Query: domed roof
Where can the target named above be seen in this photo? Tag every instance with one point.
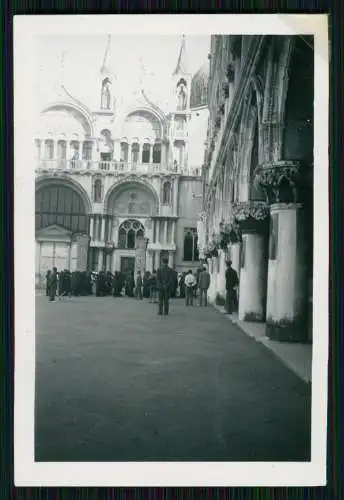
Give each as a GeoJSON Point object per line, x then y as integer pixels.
{"type": "Point", "coordinates": [199, 87]}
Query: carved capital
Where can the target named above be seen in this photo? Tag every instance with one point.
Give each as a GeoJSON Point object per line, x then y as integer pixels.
{"type": "Point", "coordinates": [251, 216]}
{"type": "Point", "coordinates": [282, 181]}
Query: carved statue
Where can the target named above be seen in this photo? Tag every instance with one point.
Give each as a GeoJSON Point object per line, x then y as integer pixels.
{"type": "Point", "coordinates": [181, 97]}
{"type": "Point", "coordinates": [106, 94]}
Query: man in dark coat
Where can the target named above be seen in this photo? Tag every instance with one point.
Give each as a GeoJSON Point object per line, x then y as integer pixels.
{"type": "Point", "coordinates": [232, 281]}
{"type": "Point", "coordinates": [164, 286]}
{"type": "Point", "coordinates": [47, 290]}
{"type": "Point", "coordinates": [53, 284]}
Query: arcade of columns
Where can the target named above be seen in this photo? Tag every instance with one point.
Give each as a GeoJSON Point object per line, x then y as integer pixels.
{"type": "Point", "coordinates": [257, 203]}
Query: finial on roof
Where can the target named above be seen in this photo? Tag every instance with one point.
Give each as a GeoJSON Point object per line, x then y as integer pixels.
{"type": "Point", "coordinates": [181, 66]}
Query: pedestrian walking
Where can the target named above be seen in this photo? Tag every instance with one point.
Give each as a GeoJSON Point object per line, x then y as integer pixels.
{"type": "Point", "coordinates": [138, 286]}
{"type": "Point", "coordinates": [190, 283]}
{"type": "Point", "coordinates": [203, 283]}
{"type": "Point", "coordinates": [53, 284]}
{"type": "Point", "coordinates": [164, 286]}
{"type": "Point", "coordinates": [232, 281]}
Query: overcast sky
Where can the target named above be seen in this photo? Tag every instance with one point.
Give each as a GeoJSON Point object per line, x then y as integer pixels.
{"type": "Point", "coordinates": [84, 56]}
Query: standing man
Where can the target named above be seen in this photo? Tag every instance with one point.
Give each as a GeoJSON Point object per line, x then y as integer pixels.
{"type": "Point", "coordinates": [164, 285]}
{"type": "Point", "coordinates": [232, 281]}
{"type": "Point", "coordinates": [47, 276]}
{"type": "Point", "coordinates": [190, 283]}
{"type": "Point", "coordinates": [53, 284]}
{"type": "Point", "coordinates": [204, 283]}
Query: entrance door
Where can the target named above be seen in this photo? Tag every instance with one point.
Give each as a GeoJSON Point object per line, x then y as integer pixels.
{"type": "Point", "coordinates": [127, 264]}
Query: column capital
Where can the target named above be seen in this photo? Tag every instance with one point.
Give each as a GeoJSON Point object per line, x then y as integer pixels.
{"type": "Point", "coordinates": [283, 181]}
{"type": "Point", "coordinates": [251, 216]}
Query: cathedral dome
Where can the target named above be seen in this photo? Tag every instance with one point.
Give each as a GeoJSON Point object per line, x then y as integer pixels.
{"type": "Point", "coordinates": [199, 87]}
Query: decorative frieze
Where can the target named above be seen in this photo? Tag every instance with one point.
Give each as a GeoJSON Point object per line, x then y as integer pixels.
{"type": "Point", "coordinates": [281, 181]}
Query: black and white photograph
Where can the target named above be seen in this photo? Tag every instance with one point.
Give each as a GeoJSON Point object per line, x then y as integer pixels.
{"type": "Point", "coordinates": [171, 215]}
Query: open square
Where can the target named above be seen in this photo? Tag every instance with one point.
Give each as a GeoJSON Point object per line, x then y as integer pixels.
{"type": "Point", "coordinates": [117, 382]}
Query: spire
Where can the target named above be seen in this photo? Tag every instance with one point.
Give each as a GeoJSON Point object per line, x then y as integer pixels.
{"type": "Point", "coordinates": [181, 62]}
{"type": "Point", "coordinates": [105, 69]}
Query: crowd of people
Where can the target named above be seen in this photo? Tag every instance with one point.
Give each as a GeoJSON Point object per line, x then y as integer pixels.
{"type": "Point", "coordinates": [158, 287]}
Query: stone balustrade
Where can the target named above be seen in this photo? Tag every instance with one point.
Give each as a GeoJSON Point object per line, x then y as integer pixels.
{"type": "Point", "coordinates": [114, 167]}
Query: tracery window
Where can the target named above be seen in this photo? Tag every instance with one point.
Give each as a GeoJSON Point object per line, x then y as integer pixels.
{"type": "Point", "coordinates": [128, 233]}
{"type": "Point", "coordinates": [191, 253]}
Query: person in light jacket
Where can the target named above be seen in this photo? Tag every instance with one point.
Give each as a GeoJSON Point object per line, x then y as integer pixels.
{"type": "Point", "coordinates": [203, 283]}
{"type": "Point", "coordinates": [190, 283]}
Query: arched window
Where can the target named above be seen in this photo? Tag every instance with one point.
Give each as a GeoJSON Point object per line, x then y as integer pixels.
{"type": "Point", "coordinates": [190, 245]}
{"type": "Point", "coordinates": [146, 153]}
{"type": "Point", "coordinates": [97, 191]}
{"type": "Point", "coordinates": [131, 239]}
{"type": "Point", "coordinates": [166, 193]}
{"type": "Point", "coordinates": [135, 150]}
{"type": "Point", "coordinates": [124, 151]}
{"type": "Point", "coordinates": [157, 153]}
{"type": "Point", "coordinates": [87, 150]}
{"type": "Point", "coordinates": [61, 150]}
{"type": "Point", "coordinates": [74, 148]}
{"type": "Point", "coordinates": [49, 149]}
{"type": "Point", "coordinates": [129, 231]}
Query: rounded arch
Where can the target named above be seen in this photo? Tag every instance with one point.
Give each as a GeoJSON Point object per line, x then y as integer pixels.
{"type": "Point", "coordinates": [155, 112]}
{"type": "Point", "coordinates": [128, 183]}
{"type": "Point", "coordinates": [79, 110]}
{"type": "Point", "coordinates": [63, 180]}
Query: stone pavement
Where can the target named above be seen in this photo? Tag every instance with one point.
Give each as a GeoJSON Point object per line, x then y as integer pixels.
{"type": "Point", "coordinates": [116, 382]}
{"type": "Point", "coordinates": [297, 357]}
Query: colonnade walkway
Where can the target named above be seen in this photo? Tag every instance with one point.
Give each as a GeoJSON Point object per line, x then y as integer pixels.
{"type": "Point", "coordinates": [117, 382]}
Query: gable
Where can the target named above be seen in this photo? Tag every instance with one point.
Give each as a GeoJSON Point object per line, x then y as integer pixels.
{"type": "Point", "coordinates": [54, 232]}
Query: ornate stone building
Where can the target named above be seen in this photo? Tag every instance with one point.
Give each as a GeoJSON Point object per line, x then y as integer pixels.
{"type": "Point", "coordinates": [258, 178]}
{"type": "Point", "coordinates": [119, 187]}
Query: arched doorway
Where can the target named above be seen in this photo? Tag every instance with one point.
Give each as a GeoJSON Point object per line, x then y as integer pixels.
{"type": "Point", "coordinates": [61, 224]}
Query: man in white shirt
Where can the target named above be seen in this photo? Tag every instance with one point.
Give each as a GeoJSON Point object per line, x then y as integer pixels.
{"type": "Point", "coordinates": [190, 283]}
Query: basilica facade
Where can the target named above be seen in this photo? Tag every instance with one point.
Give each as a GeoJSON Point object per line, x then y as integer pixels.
{"type": "Point", "coordinates": [258, 179]}
{"type": "Point", "coordinates": [119, 188]}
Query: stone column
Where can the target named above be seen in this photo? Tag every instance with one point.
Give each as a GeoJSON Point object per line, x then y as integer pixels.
{"type": "Point", "coordinates": [286, 183]}
{"type": "Point", "coordinates": [173, 233]}
{"type": "Point", "coordinates": [157, 233]}
{"type": "Point", "coordinates": [55, 150]}
{"type": "Point", "coordinates": [287, 275]}
{"type": "Point", "coordinates": [100, 259]}
{"type": "Point", "coordinates": [253, 278]}
{"type": "Point", "coordinates": [91, 227]}
{"type": "Point", "coordinates": [235, 256]}
{"type": "Point", "coordinates": [170, 259]}
{"type": "Point", "coordinates": [114, 262]}
{"type": "Point", "coordinates": [117, 150]}
{"type": "Point", "coordinates": [165, 231]}
{"type": "Point", "coordinates": [80, 149]}
{"type": "Point", "coordinates": [175, 197]}
{"type": "Point", "coordinates": [149, 260]}
{"type": "Point", "coordinates": [102, 225]}
{"type": "Point", "coordinates": [150, 153]}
